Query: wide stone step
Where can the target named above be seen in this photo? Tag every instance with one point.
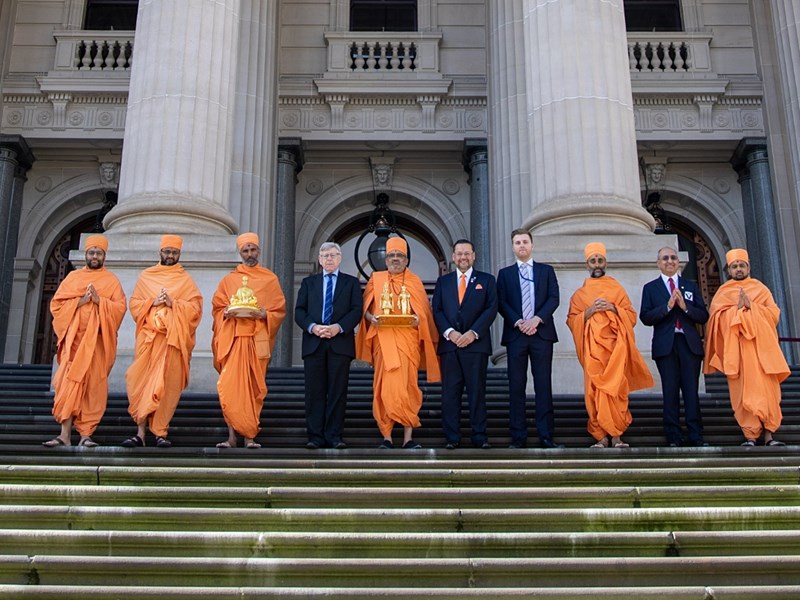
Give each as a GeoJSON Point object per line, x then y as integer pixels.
{"type": "Point", "coordinates": [487, 496]}
{"type": "Point", "coordinates": [677, 592]}
{"type": "Point", "coordinates": [155, 517]}
{"type": "Point", "coordinates": [401, 475]}
{"type": "Point", "coordinates": [399, 572]}
{"type": "Point", "coordinates": [171, 544]}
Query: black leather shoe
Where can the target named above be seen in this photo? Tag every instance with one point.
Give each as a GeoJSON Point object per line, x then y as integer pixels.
{"type": "Point", "coordinates": [674, 445]}
{"type": "Point", "coordinates": [519, 444]}
{"type": "Point", "coordinates": [340, 446]}
{"type": "Point", "coordinates": [550, 444]}
{"type": "Point", "coordinates": [452, 445]}
{"type": "Point", "coordinates": [312, 446]}
{"type": "Point", "coordinates": [700, 444]}
{"type": "Point", "coordinates": [412, 445]}
{"type": "Point", "coordinates": [486, 446]}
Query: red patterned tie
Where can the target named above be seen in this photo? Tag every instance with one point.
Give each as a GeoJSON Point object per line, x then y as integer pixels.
{"type": "Point", "coordinates": [672, 289]}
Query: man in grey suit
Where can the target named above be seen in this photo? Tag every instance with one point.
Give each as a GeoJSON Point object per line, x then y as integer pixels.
{"type": "Point", "coordinates": [328, 309]}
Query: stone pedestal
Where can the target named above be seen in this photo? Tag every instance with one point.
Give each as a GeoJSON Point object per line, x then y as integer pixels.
{"type": "Point", "coordinates": [631, 261]}
{"type": "Point", "coordinates": [206, 258]}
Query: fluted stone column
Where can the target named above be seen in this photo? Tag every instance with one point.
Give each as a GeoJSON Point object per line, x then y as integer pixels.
{"type": "Point", "coordinates": [786, 22]}
{"type": "Point", "coordinates": [16, 159]}
{"type": "Point", "coordinates": [476, 164]}
{"type": "Point", "coordinates": [290, 162]}
{"type": "Point", "coordinates": [751, 155]}
{"type": "Point", "coordinates": [253, 162]}
{"type": "Point", "coordinates": [509, 144]}
{"type": "Point", "coordinates": [580, 114]}
{"type": "Point", "coordinates": [176, 165]}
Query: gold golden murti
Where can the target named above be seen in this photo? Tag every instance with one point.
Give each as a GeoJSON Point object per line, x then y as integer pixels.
{"type": "Point", "coordinates": [244, 300]}
{"type": "Point", "coordinates": [387, 303]}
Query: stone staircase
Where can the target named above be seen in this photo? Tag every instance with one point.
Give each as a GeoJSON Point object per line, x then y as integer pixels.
{"type": "Point", "coordinates": [721, 522]}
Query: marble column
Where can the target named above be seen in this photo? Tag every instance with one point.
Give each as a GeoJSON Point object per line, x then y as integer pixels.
{"type": "Point", "coordinates": [290, 163]}
{"type": "Point", "coordinates": [752, 156]}
{"type": "Point", "coordinates": [476, 164]}
{"type": "Point", "coordinates": [254, 125]}
{"type": "Point", "coordinates": [786, 23]}
{"type": "Point", "coordinates": [176, 166]}
{"type": "Point", "coordinates": [509, 144]}
{"type": "Point", "coordinates": [584, 175]}
{"type": "Point", "coordinates": [16, 159]}
{"type": "Point", "coordinates": [739, 163]}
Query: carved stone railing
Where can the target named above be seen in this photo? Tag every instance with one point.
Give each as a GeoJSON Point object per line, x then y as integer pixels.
{"type": "Point", "coordinates": [665, 53]}
{"type": "Point", "coordinates": [97, 51]}
{"type": "Point", "coordinates": [400, 62]}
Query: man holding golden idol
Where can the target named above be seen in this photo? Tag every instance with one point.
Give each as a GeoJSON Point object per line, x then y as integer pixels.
{"type": "Point", "coordinates": [248, 309]}
{"type": "Point", "coordinates": [398, 337]}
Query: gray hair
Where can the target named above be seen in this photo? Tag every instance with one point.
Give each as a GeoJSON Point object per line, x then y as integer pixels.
{"type": "Point", "coordinates": [328, 246]}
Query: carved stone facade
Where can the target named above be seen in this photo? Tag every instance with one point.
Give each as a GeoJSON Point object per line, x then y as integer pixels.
{"type": "Point", "coordinates": [475, 124]}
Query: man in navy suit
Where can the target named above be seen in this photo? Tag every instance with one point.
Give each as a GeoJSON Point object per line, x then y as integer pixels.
{"type": "Point", "coordinates": [527, 294]}
{"type": "Point", "coordinates": [328, 310]}
{"type": "Point", "coordinates": [673, 306]}
{"type": "Point", "coordinates": [464, 308]}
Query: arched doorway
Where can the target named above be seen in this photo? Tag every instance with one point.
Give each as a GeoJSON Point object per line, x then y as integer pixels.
{"type": "Point", "coordinates": [56, 269]}
{"type": "Point", "coordinates": [702, 266]}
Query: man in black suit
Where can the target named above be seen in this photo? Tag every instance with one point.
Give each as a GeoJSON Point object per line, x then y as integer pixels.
{"type": "Point", "coordinates": [673, 306]}
{"type": "Point", "coordinates": [464, 308]}
{"type": "Point", "coordinates": [527, 294]}
{"type": "Point", "coordinates": [328, 310]}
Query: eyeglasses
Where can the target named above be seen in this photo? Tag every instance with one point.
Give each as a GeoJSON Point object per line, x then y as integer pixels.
{"type": "Point", "coordinates": [669, 257]}
{"type": "Point", "coordinates": [396, 255]}
{"type": "Point", "coordinates": [330, 255]}
{"type": "Point", "coordinates": [166, 252]}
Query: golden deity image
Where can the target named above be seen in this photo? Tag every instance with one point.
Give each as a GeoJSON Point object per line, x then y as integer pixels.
{"type": "Point", "coordinates": [244, 300]}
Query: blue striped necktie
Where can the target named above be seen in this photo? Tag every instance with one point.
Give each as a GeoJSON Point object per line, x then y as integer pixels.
{"type": "Point", "coordinates": [527, 301]}
{"type": "Point", "coordinates": [327, 309]}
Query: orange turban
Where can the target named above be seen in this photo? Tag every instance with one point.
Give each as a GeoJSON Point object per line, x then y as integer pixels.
{"type": "Point", "coordinates": [171, 241]}
{"type": "Point", "coordinates": [396, 244]}
{"type": "Point", "coordinates": [96, 241]}
{"type": "Point", "coordinates": [737, 254]}
{"type": "Point", "coordinates": [247, 238]}
{"type": "Point", "coordinates": [594, 248]}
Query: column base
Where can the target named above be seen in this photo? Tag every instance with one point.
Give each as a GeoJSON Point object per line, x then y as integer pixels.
{"type": "Point", "coordinates": [586, 215]}
{"type": "Point", "coordinates": [151, 214]}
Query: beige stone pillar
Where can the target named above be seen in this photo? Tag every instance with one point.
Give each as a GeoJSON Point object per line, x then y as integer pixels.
{"type": "Point", "coordinates": [786, 22]}
{"type": "Point", "coordinates": [254, 139]}
{"type": "Point", "coordinates": [584, 171]}
{"type": "Point", "coordinates": [509, 142]}
{"type": "Point", "coordinates": [176, 164]}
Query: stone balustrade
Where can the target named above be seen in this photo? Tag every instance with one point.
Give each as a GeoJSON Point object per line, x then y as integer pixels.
{"type": "Point", "coordinates": [104, 51]}
{"type": "Point", "coordinates": [383, 53]}
{"type": "Point", "coordinates": [662, 53]}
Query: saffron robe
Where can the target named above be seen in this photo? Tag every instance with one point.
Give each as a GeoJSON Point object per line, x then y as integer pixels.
{"type": "Point", "coordinates": [87, 346]}
{"type": "Point", "coordinates": [606, 347]}
{"type": "Point", "coordinates": [242, 347]}
{"type": "Point", "coordinates": [398, 353]}
{"type": "Point", "coordinates": [165, 338]}
{"type": "Point", "coordinates": [743, 344]}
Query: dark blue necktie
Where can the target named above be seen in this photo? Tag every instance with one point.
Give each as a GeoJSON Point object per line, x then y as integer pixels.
{"type": "Point", "coordinates": [327, 309]}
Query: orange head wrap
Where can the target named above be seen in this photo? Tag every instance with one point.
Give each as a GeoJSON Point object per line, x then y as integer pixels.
{"type": "Point", "coordinates": [594, 248]}
{"type": "Point", "coordinates": [396, 244]}
{"type": "Point", "coordinates": [247, 238]}
{"type": "Point", "coordinates": [171, 241]}
{"type": "Point", "coordinates": [96, 241]}
{"type": "Point", "coordinates": [737, 254]}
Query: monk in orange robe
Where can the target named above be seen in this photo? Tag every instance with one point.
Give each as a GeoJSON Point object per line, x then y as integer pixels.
{"type": "Point", "coordinates": [167, 306]}
{"type": "Point", "coordinates": [742, 342]}
{"type": "Point", "coordinates": [87, 309]}
{"type": "Point", "coordinates": [601, 319]}
{"type": "Point", "coordinates": [243, 340]}
{"type": "Point", "coordinates": [397, 353]}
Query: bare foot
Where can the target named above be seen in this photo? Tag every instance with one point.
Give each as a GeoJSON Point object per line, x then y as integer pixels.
{"type": "Point", "coordinates": [227, 444]}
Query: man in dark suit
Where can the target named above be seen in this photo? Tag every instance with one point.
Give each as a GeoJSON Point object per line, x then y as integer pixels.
{"type": "Point", "coordinates": [527, 294]}
{"type": "Point", "coordinates": [328, 310]}
{"type": "Point", "coordinates": [464, 308]}
{"type": "Point", "coordinates": [673, 306]}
